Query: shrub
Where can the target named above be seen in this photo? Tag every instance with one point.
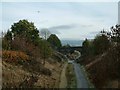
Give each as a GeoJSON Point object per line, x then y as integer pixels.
{"type": "Point", "coordinates": [14, 56]}
{"type": "Point", "coordinates": [101, 44]}
{"type": "Point", "coordinates": [36, 67]}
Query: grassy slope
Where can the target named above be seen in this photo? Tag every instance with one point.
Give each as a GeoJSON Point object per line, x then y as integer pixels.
{"type": "Point", "coordinates": [102, 70]}
{"type": "Point", "coordinates": [15, 75]}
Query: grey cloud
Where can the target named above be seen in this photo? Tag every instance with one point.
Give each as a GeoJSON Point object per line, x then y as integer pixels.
{"type": "Point", "coordinates": [90, 25]}
{"type": "Point", "coordinates": [59, 27]}
{"type": "Point", "coordinates": [55, 29]}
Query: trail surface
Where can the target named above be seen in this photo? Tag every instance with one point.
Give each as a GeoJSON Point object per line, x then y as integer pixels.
{"type": "Point", "coordinates": [63, 79]}
{"type": "Point", "coordinates": [80, 77]}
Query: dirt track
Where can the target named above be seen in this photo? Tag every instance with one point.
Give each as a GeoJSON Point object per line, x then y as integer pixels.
{"type": "Point", "coordinates": [63, 79]}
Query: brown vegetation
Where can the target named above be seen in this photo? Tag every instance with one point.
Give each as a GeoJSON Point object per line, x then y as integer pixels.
{"type": "Point", "coordinates": [31, 74]}
{"type": "Point", "coordinates": [101, 58]}
{"type": "Point", "coordinates": [103, 69]}
{"type": "Point", "coordinates": [28, 59]}
{"type": "Point", "coordinates": [13, 56]}
{"type": "Point", "coordinates": [25, 71]}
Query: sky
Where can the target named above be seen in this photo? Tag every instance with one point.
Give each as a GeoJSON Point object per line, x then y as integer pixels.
{"type": "Point", "coordinates": [68, 20]}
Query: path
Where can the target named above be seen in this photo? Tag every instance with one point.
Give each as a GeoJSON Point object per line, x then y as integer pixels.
{"type": "Point", "coordinates": [63, 79]}
{"type": "Point", "coordinates": [81, 79]}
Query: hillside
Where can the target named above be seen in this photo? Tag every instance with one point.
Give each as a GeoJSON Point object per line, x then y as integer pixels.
{"type": "Point", "coordinates": [32, 73]}
{"type": "Point", "coordinates": [103, 69]}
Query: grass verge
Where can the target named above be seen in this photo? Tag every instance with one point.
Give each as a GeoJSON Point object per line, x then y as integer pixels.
{"type": "Point", "coordinates": [71, 78]}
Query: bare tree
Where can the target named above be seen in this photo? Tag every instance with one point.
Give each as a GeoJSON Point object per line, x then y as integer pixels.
{"type": "Point", "coordinates": [45, 33]}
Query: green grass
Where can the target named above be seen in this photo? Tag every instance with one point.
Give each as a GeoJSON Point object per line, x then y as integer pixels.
{"type": "Point", "coordinates": [71, 78]}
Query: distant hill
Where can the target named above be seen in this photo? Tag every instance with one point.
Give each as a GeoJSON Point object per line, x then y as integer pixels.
{"type": "Point", "coordinates": [72, 42]}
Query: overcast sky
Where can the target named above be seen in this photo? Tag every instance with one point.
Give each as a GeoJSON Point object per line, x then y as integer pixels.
{"type": "Point", "coordinates": [67, 20]}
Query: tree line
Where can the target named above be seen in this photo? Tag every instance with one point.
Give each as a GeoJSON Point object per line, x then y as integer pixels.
{"type": "Point", "coordinates": [24, 36]}
{"type": "Point", "coordinates": [101, 56]}
{"type": "Point", "coordinates": [104, 41]}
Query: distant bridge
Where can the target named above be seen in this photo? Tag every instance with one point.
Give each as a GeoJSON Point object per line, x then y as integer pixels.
{"type": "Point", "coordinates": [71, 49]}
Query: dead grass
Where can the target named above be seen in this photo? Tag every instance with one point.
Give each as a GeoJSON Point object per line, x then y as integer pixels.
{"type": "Point", "coordinates": [0, 73]}
{"type": "Point", "coordinates": [103, 69]}
{"type": "Point", "coordinates": [50, 81]}
{"type": "Point", "coordinates": [12, 75]}
{"type": "Point", "coordinates": [15, 75]}
{"type": "Point", "coordinates": [112, 84]}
